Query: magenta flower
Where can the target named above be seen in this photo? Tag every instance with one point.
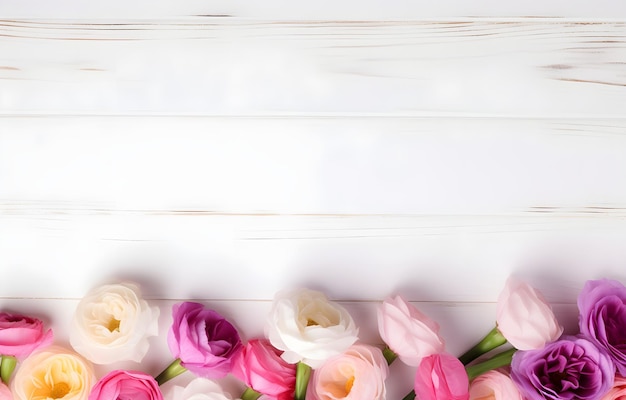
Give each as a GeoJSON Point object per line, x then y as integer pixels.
{"type": "Point", "coordinates": [441, 377]}
{"type": "Point", "coordinates": [602, 318]}
{"type": "Point", "coordinates": [570, 368]}
{"type": "Point", "coordinates": [21, 335]}
{"type": "Point", "coordinates": [126, 385]}
{"type": "Point", "coordinates": [260, 367]}
{"type": "Point", "coordinates": [204, 341]}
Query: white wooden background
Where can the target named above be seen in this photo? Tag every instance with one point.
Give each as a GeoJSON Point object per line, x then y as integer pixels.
{"type": "Point", "coordinates": [223, 151]}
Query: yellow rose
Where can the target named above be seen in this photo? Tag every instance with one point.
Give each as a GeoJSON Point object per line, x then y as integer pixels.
{"type": "Point", "coordinates": [54, 373]}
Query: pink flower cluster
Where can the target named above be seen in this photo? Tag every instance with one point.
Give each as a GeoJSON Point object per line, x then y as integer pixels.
{"type": "Point", "coordinates": [311, 350]}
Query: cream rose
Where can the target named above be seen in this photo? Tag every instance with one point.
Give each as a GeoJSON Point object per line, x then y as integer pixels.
{"type": "Point", "coordinates": [198, 389]}
{"type": "Point", "coordinates": [54, 373]}
{"type": "Point", "coordinates": [112, 323]}
{"type": "Point", "coordinates": [309, 328]}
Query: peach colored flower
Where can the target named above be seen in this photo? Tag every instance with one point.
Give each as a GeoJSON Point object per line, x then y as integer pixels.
{"type": "Point", "coordinates": [112, 323]}
{"type": "Point", "coordinates": [524, 318]}
{"type": "Point", "coordinates": [357, 374]}
{"type": "Point", "coordinates": [494, 385]}
{"type": "Point", "coordinates": [53, 373]}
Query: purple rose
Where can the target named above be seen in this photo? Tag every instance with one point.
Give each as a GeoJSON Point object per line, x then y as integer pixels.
{"type": "Point", "coordinates": [203, 340]}
{"type": "Point", "coordinates": [602, 319]}
{"type": "Point", "coordinates": [570, 368]}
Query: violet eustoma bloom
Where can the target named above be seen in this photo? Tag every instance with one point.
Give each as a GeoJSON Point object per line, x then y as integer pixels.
{"type": "Point", "coordinates": [260, 366]}
{"type": "Point", "coordinates": [570, 368]}
{"type": "Point", "coordinates": [441, 377]}
{"type": "Point", "coordinates": [602, 318]}
{"type": "Point", "coordinates": [524, 317]}
{"type": "Point", "coordinates": [126, 385]}
{"type": "Point", "coordinates": [407, 331]}
{"type": "Point", "coordinates": [205, 342]}
{"type": "Point", "coordinates": [21, 335]}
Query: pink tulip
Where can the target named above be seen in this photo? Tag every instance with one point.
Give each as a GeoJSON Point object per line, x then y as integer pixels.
{"type": "Point", "coordinates": [441, 377]}
{"type": "Point", "coordinates": [260, 366]}
{"type": "Point", "coordinates": [408, 332]}
{"type": "Point", "coordinates": [5, 393]}
{"type": "Point", "coordinates": [21, 335]}
{"type": "Point", "coordinates": [524, 318]}
{"type": "Point", "coordinates": [494, 385]}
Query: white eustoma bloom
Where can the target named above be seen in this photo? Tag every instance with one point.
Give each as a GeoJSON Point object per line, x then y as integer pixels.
{"type": "Point", "coordinates": [525, 318]}
{"type": "Point", "coordinates": [112, 323]}
{"type": "Point", "coordinates": [308, 327]}
{"type": "Point", "coordinates": [198, 389]}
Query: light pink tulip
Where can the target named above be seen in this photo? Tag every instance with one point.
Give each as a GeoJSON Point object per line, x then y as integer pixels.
{"type": "Point", "coordinates": [357, 374]}
{"type": "Point", "coordinates": [408, 332]}
{"type": "Point", "coordinates": [494, 385]}
{"type": "Point", "coordinates": [524, 317]}
{"type": "Point", "coordinates": [618, 392]}
{"type": "Point", "coordinates": [441, 377]}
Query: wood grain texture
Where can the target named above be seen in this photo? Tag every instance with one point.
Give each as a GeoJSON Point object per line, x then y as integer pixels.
{"type": "Point", "coordinates": [318, 10]}
{"type": "Point", "coordinates": [253, 205]}
{"type": "Point", "coordinates": [218, 66]}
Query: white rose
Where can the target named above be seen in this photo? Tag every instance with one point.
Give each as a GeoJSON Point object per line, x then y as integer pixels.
{"type": "Point", "coordinates": [197, 389]}
{"type": "Point", "coordinates": [112, 323]}
{"type": "Point", "coordinates": [308, 327]}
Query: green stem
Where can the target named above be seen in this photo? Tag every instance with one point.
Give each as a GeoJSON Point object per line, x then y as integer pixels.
{"type": "Point", "coordinates": [303, 373]}
{"type": "Point", "coordinates": [499, 360]}
{"type": "Point", "coordinates": [172, 371]}
{"type": "Point", "coordinates": [389, 355]}
{"type": "Point", "coordinates": [409, 396]}
{"type": "Point", "coordinates": [250, 394]}
{"type": "Point", "coordinates": [488, 343]}
{"type": "Point", "coordinates": [7, 366]}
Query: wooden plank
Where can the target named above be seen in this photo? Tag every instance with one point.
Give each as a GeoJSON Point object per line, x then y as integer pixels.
{"type": "Point", "coordinates": [466, 258]}
{"type": "Point", "coordinates": [315, 165]}
{"type": "Point", "coordinates": [407, 203]}
{"type": "Point", "coordinates": [474, 320]}
{"type": "Point", "coordinates": [319, 10]}
{"type": "Point", "coordinates": [215, 66]}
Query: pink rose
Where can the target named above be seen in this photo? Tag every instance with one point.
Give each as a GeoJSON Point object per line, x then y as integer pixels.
{"type": "Point", "coordinates": [204, 341]}
{"type": "Point", "coordinates": [5, 393]}
{"type": "Point", "coordinates": [618, 391]}
{"type": "Point", "coordinates": [260, 366]}
{"type": "Point", "coordinates": [126, 385]}
{"type": "Point", "coordinates": [494, 385]}
{"type": "Point", "coordinates": [408, 332]}
{"type": "Point", "coordinates": [441, 377]}
{"type": "Point", "coordinates": [524, 318]}
{"type": "Point", "coordinates": [21, 335]}
{"type": "Point", "coordinates": [357, 374]}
